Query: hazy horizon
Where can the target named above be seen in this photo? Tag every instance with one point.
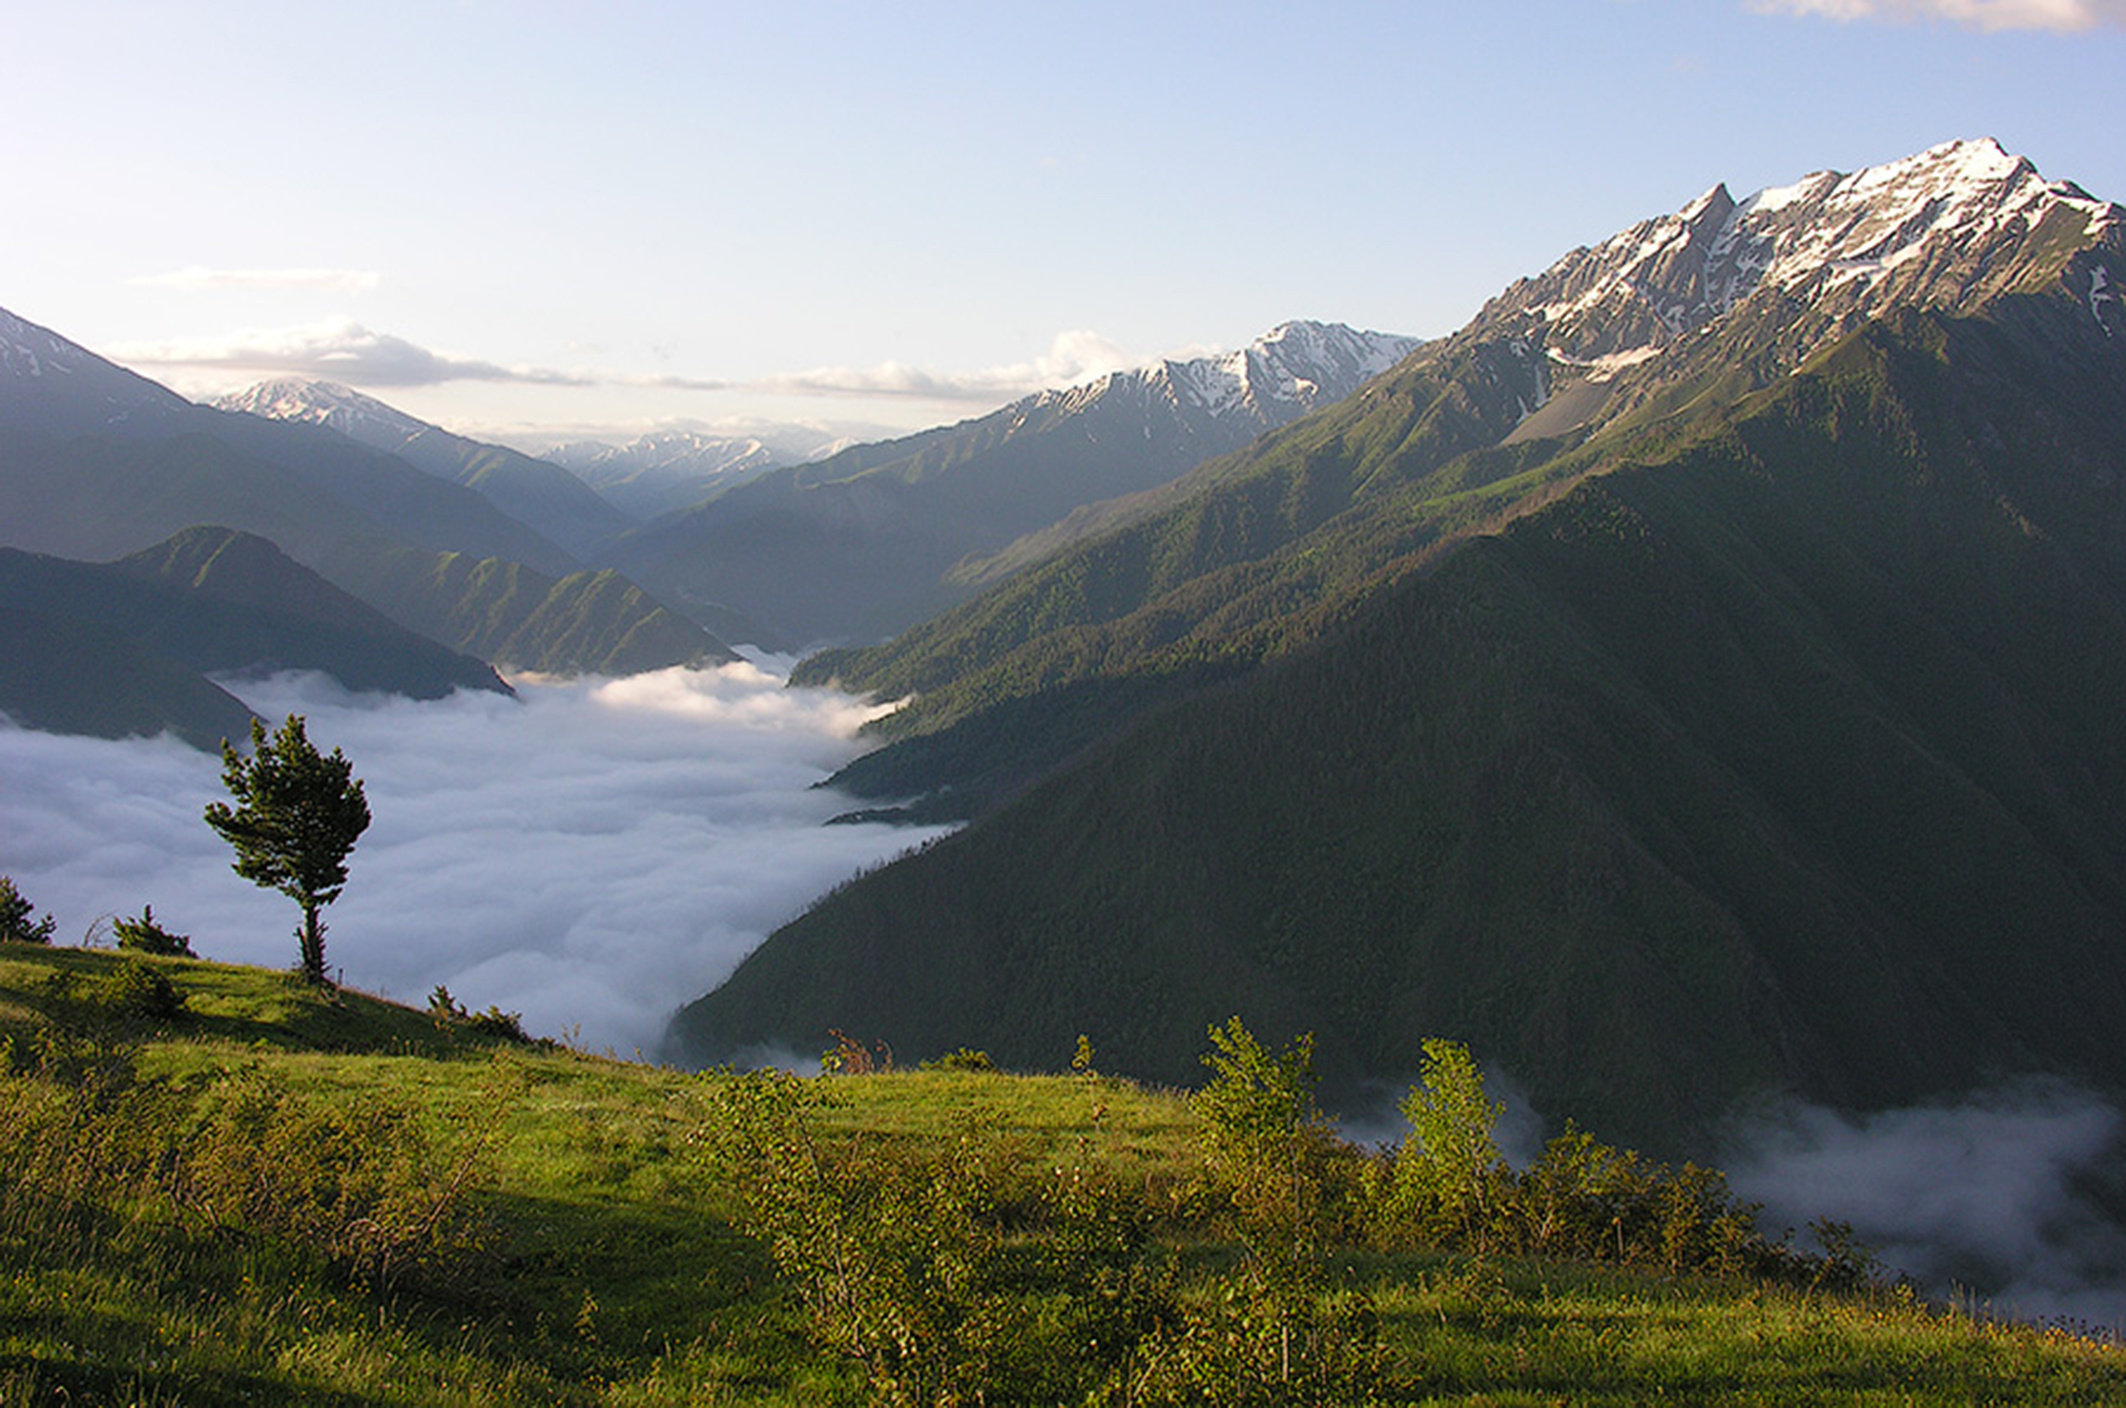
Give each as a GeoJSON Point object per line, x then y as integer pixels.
{"type": "Point", "coordinates": [602, 219]}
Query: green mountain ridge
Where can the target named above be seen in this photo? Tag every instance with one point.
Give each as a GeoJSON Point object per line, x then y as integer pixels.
{"type": "Point", "coordinates": [1749, 768]}
{"type": "Point", "coordinates": [1682, 707]}
{"type": "Point", "coordinates": [66, 675]}
{"type": "Point", "coordinates": [208, 600]}
{"type": "Point", "coordinates": [589, 622]}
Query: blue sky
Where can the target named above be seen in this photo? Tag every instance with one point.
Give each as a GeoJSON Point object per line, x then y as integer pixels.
{"type": "Point", "coordinates": [513, 216]}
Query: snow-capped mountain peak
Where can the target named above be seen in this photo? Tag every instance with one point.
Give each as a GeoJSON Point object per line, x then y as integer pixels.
{"type": "Point", "coordinates": [1947, 227]}
{"type": "Point", "coordinates": [326, 403]}
{"type": "Point", "coordinates": [1293, 368]}
{"type": "Point", "coordinates": [59, 386]}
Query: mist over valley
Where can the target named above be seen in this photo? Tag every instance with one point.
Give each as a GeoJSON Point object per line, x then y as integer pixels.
{"type": "Point", "coordinates": [587, 854]}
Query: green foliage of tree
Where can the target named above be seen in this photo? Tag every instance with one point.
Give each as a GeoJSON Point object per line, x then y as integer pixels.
{"type": "Point", "coordinates": [16, 926]}
{"type": "Point", "coordinates": [297, 815]}
{"type": "Point", "coordinates": [1270, 1151]}
{"type": "Point", "coordinates": [144, 935]}
{"type": "Point", "coordinates": [1448, 1173]}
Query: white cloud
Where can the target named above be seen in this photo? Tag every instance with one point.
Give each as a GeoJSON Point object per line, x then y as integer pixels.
{"type": "Point", "coordinates": [1990, 1194]}
{"type": "Point", "coordinates": [1071, 358]}
{"type": "Point", "coordinates": [339, 349]}
{"type": "Point", "coordinates": [2063, 16]}
{"type": "Point", "coordinates": [195, 277]}
{"type": "Point", "coordinates": [348, 352]}
{"type": "Point", "coordinates": [591, 855]}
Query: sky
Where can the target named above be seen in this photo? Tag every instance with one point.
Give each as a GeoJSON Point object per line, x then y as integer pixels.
{"type": "Point", "coordinates": [530, 220]}
{"type": "Point", "coordinates": [588, 855]}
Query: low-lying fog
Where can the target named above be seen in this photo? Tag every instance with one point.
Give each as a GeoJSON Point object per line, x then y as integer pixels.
{"type": "Point", "coordinates": [591, 854]}
{"type": "Point", "coordinates": [2010, 1200]}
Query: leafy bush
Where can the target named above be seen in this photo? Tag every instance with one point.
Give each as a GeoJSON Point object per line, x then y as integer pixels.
{"type": "Point", "coordinates": [964, 1059]}
{"type": "Point", "coordinates": [494, 1022]}
{"type": "Point", "coordinates": [850, 1057]}
{"type": "Point", "coordinates": [358, 1181]}
{"type": "Point", "coordinates": [1448, 1178]}
{"type": "Point", "coordinates": [97, 1152]}
{"type": "Point", "coordinates": [142, 991]}
{"type": "Point", "coordinates": [1448, 1186]}
{"type": "Point", "coordinates": [902, 1260]}
{"type": "Point", "coordinates": [113, 1010]}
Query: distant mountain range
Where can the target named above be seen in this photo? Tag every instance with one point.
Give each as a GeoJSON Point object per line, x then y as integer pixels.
{"type": "Point", "coordinates": [1697, 678]}
{"type": "Point", "coordinates": [864, 543]}
{"type": "Point", "coordinates": [666, 470]}
{"type": "Point", "coordinates": [542, 496]}
{"type": "Point", "coordinates": [98, 463]}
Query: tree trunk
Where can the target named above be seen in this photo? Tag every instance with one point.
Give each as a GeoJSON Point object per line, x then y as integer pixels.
{"type": "Point", "coordinates": [312, 939]}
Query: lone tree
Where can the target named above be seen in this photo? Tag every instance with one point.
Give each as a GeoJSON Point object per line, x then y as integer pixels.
{"type": "Point", "coordinates": [296, 817]}
{"type": "Point", "coordinates": [16, 926]}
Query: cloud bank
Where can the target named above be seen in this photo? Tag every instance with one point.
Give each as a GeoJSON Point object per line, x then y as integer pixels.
{"type": "Point", "coordinates": [1072, 357]}
{"type": "Point", "coordinates": [2011, 1196]}
{"type": "Point", "coordinates": [2059, 16]}
{"type": "Point", "coordinates": [591, 856]}
{"type": "Point", "coordinates": [338, 349]}
{"type": "Point", "coordinates": [346, 351]}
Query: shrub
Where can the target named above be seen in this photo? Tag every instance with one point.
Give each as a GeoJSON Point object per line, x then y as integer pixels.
{"type": "Point", "coordinates": [1448, 1178]}
{"type": "Point", "coordinates": [964, 1059]}
{"type": "Point", "coordinates": [355, 1180]}
{"type": "Point", "coordinates": [509, 1026]}
{"type": "Point", "coordinates": [144, 935]}
{"type": "Point", "coordinates": [850, 1057]}
{"type": "Point", "coordinates": [446, 1012]}
{"type": "Point", "coordinates": [141, 991]}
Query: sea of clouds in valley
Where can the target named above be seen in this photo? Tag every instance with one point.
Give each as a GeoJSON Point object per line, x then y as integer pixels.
{"type": "Point", "coordinates": [591, 854]}
{"type": "Point", "coordinates": [2009, 1198]}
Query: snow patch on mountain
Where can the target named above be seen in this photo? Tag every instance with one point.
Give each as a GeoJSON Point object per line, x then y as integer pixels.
{"type": "Point", "coordinates": [1909, 230]}
{"type": "Point", "coordinates": [1289, 370]}
{"type": "Point", "coordinates": [28, 350]}
{"type": "Point", "coordinates": [358, 417]}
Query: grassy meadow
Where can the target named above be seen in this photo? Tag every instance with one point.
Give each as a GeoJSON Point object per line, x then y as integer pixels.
{"type": "Point", "coordinates": [228, 1187]}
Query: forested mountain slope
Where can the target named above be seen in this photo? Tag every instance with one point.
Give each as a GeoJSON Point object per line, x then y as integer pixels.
{"type": "Point", "coordinates": [1757, 733]}
{"type": "Point", "coordinates": [114, 648]}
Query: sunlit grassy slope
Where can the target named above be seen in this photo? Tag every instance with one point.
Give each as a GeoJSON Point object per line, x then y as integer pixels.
{"type": "Point", "coordinates": [595, 1258]}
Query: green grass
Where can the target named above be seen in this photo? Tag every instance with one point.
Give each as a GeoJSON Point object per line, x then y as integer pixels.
{"type": "Point", "coordinates": [606, 1268]}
